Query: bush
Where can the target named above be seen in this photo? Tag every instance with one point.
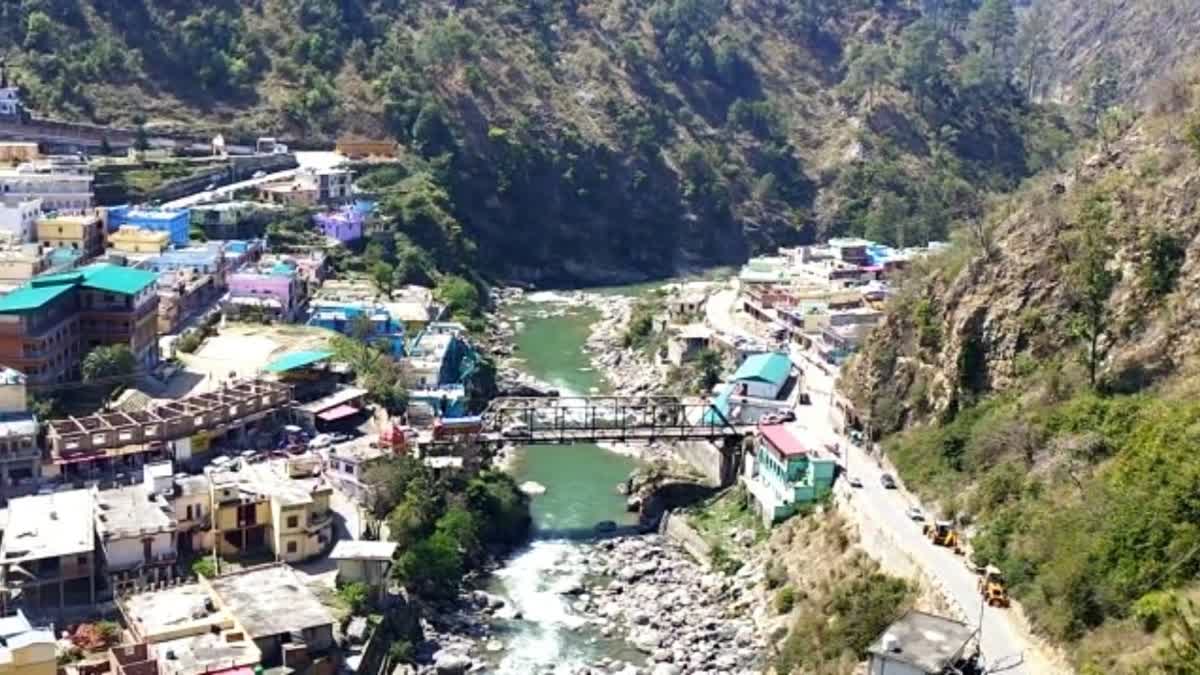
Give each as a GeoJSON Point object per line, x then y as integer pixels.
{"type": "Point", "coordinates": [776, 574]}
{"type": "Point", "coordinates": [204, 567]}
{"type": "Point", "coordinates": [356, 597]}
{"type": "Point", "coordinates": [189, 342]}
{"type": "Point", "coordinates": [785, 600]}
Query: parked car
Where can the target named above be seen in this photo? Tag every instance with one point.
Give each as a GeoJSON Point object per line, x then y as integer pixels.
{"type": "Point", "coordinates": [854, 481]}
{"type": "Point", "coordinates": [915, 514]}
{"type": "Point", "coordinates": [259, 174]}
{"type": "Point", "coordinates": [768, 420]}
{"type": "Point", "coordinates": [887, 481]}
{"type": "Point", "coordinates": [788, 415]}
{"type": "Point", "coordinates": [320, 441]}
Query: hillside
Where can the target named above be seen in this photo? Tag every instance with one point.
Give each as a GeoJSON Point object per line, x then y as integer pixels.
{"type": "Point", "coordinates": [1138, 42]}
{"type": "Point", "coordinates": [1042, 377]}
{"type": "Point", "coordinates": [582, 142]}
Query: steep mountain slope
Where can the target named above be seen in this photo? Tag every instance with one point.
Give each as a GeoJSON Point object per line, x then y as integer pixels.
{"type": "Point", "coordinates": [587, 141]}
{"type": "Point", "coordinates": [1042, 376]}
{"type": "Point", "coordinates": [1140, 40]}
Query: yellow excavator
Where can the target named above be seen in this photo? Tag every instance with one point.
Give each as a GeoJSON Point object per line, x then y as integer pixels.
{"type": "Point", "coordinates": [942, 533]}
{"type": "Point", "coordinates": [992, 587]}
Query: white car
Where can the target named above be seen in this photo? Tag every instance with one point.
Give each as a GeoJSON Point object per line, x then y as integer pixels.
{"type": "Point", "coordinates": [258, 174]}
{"type": "Point", "coordinates": [516, 430]}
{"type": "Point", "coordinates": [915, 514]}
{"type": "Point", "coordinates": [320, 441]}
{"type": "Point", "coordinates": [854, 481]}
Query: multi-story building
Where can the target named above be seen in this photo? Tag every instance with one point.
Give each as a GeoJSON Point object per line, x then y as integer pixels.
{"type": "Point", "coordinates": [133, 239]}
{"type": "Point", "coordinates": [11, 109]}
{"type": "Point", "coordinates": [48, 324]}
{"type": "Point", "coordinates": [181, 295]}
{"type": "Point", "coordinates": [18, 218]}
{"type": "Point", "coordinates": [274, 289]}
{"type": "Point", "coordinates": [358, 148]}
{"type": "Point", "coordinates": [20, 453]}
{"type": "Point", "coordinates": [48, 550]}
{"type": "Point", "coordinates": [136, 529]}
{"type": "Point", "coordinates": [59, 187]}
{"type": "Point", "coordinates": [373, 319]}
{"type": "Point", "coordinates": [346, 223]}
{"type": "Point", "coordinates": [172, 221]}
{"type": "Point", "coordinates": [81, 232]}
{"type": "Point", "coordinates": [311, 187]}
{"type": "Point", "coordinates": [20, 263]}
{"type": "Point", "coordinates": [207, 259]}
{"type": "Point", "coordinates": [283, 507]}
{"type": "Point", "coordinates": [783, 476]}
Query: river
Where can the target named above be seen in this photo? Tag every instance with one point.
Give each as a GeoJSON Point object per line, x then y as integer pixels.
{"type": "Point", "coordinates": [580, 483]}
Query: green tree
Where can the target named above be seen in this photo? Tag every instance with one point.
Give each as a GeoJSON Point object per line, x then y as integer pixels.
{"type": "Point", "coordinates": [460, 296]}
{"type": "Point", "coordinates": [920, 64]}
{"type": "Point", "coordinates": [383, 277]}
{"type": "Point", "coordinates": [1101, 90]}
{"type": "Point", "coordinates": [993, 27]}
{"type": "Point", "coordinates": [868, 70]}
{"type": "Point", "coordinates": [1091, 280]}
{"type": "Point", "coordinates": [112, 365]}
{"type": "Point", "coordinates": [1181, 655]}
{"type": "Point", "coordinates": [708, 365]}
{"type": "Point", "coordinates": [1032, 45]}
{"type": "Point", "coordinates": [39, 32]}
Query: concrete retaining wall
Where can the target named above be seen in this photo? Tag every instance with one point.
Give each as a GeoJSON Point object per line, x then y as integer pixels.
{"type": "Point", "coordinates": [718, 466]}
{"type": "Point", "coordinates": [676, 528]}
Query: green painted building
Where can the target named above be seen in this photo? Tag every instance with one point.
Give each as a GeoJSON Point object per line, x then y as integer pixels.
{"type": "Point", "coordinates": [783, 476]}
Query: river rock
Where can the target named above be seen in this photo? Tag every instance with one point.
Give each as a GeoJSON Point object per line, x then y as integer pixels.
{"type": "Point", "coordinates": [452, 664]}
{"type": "Point", "coordinates": [531, 487]}
{"type": "Point", "coordinates": [646, 639]}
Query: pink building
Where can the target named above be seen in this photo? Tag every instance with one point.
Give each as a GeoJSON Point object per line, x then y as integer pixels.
{"type": "Point", "coordinates": [274, 289]}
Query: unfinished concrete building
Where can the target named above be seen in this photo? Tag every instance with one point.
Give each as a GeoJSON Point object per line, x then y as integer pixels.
{"type": "Point", "coordinates": [126, 440]}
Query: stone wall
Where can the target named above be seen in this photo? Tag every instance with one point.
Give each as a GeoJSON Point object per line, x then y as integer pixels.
{"type": "Point", "coordinates": [718, 468]}
{"type": "Point", "coordinates": [676, 528]}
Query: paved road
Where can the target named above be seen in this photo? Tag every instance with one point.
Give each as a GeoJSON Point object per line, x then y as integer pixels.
{"type": "Point", "coordinates": [1007, 647]}
{"type": "Point", "coordinates": [306, 160]}
{"type": "Point", "coordinates": [718, 312]}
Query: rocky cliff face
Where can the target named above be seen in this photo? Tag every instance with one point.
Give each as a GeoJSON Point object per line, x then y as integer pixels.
{"type": "Point", "coordinates": [1142, 39]}
{"type": "Point", "coordinates": [968, 323]}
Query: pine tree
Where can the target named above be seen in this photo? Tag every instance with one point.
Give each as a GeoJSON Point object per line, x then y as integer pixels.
{"type": "Point", "coordinates": [993, 27]}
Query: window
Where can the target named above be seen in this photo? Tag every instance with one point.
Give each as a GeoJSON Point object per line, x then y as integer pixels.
{"type": "Point", "coordinates": [291, 547]}
{"type": "Point", "coordinates": [293, 521]}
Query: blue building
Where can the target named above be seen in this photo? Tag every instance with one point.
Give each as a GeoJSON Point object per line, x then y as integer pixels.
{"type": "Point", "coordinates": [441, 356]}
{"type": "Point", "coordinates": [207, 259]}
{"type": "Point", "coordinates": [341, 317]}
{"type": "Point", "coordinates": [172, 221]}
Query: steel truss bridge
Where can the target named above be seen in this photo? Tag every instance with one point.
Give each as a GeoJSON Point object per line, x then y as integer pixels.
{"type": "Point", "coordinates": [607, 419]}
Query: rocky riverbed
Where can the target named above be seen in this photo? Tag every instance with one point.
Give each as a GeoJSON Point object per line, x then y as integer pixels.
{"type": "Point", "coordinates": [677, 617]}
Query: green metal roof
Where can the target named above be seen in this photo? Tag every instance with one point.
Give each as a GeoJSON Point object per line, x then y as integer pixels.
{"type": "Point", "coordinates": [28, 298]}
{"type": "Point", "coordinates": [297, 360]}
{"type": "Point", "coordinates": [773, 368]}
{"type": "Point", "coordinates": [116, 279]}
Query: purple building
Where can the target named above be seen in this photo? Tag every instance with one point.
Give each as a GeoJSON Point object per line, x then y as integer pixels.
{"type": "Point", "coordinates": [344, 224]}
{"type": "Point", "coordinates": [274, 290]}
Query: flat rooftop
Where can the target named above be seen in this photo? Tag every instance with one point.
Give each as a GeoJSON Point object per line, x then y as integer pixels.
{"type": "Point", "coordinates": [359, 549]}
{"type": "Point", "coordinates": [49, 526]}
{"type": "Point", "coordinates": [206, 653]}
{"type": "Point", "coordinates": [269, 479]}
{"type": "Point", "coordinates": [172, 611]}
{"type": "Point", "coordinates": [929, 642]}
{"type": "Point", "coordinates": [270, 600]}
{"type": "Point", "coordinates": [131, 512]}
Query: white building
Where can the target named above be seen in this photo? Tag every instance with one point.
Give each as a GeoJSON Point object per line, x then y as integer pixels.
{"type": "Point", "coordinates": [136, 528]}
{"type": "Point", "coordinates": [58, 188]}
{"type": "Point", "coordinates": [18, 218]}
{"type": "Point", "coordinates": [10, 101]}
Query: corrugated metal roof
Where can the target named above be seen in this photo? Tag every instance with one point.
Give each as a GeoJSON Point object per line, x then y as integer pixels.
{"type": "Point", "coordinates": [28, 298]}
{"type": "Point", "coordinates": [772, 368]}
{"type": "Point", "coordinates": [783, 440]}
{"type": "Point", "coordinates": [116, 279]}
{"type": "Point", "coordinates": [297, 360]}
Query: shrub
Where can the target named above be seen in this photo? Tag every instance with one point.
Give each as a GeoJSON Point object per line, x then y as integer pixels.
{"type": "Point", "coordinates": [355, 596]}
{"type": "Point", "coordinates": [785, 600]}
{"type": "Point", "coordinates": [204, 567]}
{"type": "Point", "coordinates": [776, 574]}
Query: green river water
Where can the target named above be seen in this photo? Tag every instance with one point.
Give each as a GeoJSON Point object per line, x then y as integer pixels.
{"type": "Point", "coordinates": [580, 482]}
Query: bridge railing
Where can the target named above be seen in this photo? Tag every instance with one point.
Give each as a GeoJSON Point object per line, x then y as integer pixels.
{"type": "Point", "coordinates": [606, 418]}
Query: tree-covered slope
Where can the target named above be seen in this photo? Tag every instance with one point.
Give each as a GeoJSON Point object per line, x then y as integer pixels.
{"type": "Point", "coordinates": [591, 140]}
